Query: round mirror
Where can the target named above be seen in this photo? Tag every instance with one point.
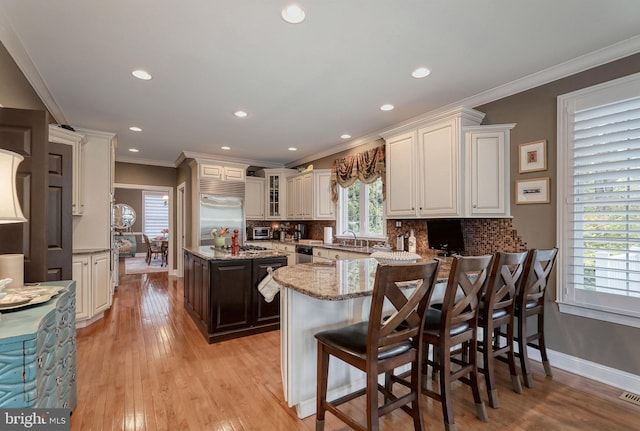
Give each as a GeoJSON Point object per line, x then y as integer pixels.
{"type": "Point", "coordinates": [123, 216]}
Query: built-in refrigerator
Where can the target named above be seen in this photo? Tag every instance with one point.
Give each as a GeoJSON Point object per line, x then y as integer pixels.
{"type": "Point", "coordinates": [218, 212]}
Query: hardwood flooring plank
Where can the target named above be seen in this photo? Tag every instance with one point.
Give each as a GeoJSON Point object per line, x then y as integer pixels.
{"type": "Point", "coordinates": [145, 366]}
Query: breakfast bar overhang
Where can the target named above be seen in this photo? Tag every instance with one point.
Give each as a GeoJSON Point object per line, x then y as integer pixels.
{"type": "Point", "coordinates": [318, 296]}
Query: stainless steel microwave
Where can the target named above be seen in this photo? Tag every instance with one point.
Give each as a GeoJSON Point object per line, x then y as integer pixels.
{"type": "Point", "coordinates": [261, 233]}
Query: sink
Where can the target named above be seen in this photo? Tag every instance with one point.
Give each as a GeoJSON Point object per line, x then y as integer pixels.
{"type": "Point", "coordinates": [348, 246]}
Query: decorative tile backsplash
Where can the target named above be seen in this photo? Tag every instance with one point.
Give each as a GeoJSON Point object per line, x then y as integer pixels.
{"type": "Point", "coordinates": [481, 236]}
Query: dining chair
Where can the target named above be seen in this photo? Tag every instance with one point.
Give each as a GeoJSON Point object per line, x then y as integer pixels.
{"type": "Point", "coordinates": [530, 303]}
{"type": "Point", "coordinates": [381, 344]}
{"type": "Point", "coordinates": [152, 250]}
{"type": "Point", "coordinates": [496, 317]}
{"type": "Point", "coordinates": [451, 332]}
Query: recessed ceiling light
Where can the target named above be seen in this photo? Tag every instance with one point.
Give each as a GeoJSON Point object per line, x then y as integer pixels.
{"type": "Point", "coordinates": [386, 107]}
{"type": "Point", "coordinates": [141, 74]}
{"type": "Point", "coordinates": [135, 129]}
{"type": "Point", "coordinates": [292, 149]}
{"type": "Point", "coordinates": [293, 14]}
{"type": "Point", "coordinates": [134, 150]}
{"type": "Point", "coordinates": [240, 114]}
{"type": "Point", "coordinates": [225, 148]}
{"type": "Point", "coordinates": [421, 72]}
{"type": "Point", "coordinates": [345, 136]}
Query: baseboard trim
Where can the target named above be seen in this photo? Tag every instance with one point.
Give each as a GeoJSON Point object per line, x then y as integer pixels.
{"type": "Point", "coordinates": [590, 370]}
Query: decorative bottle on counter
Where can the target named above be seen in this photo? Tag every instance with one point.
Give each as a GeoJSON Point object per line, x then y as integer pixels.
{"type": "Point", "coordinates": [235, 245]}
{"type": "Point", "coordinates": [412, 242]}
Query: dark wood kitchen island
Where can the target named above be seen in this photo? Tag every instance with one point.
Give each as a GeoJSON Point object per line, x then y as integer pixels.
{"type": "Point", "coordinates": [221, 292]}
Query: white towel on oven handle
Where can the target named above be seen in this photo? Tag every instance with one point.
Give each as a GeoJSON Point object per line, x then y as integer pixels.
{"type": "Point", "coordinates": [268, 287]}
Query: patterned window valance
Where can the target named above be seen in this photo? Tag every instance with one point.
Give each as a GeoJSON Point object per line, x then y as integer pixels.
{"type": "Point", "coordinates": [367, 167]}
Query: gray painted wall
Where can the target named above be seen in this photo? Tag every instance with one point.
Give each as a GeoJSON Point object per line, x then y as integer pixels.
{"type": "Point", "coordinates": [534, 111]}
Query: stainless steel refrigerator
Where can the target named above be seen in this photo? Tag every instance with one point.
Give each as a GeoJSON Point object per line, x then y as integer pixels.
{"type": "Point", "coordinates": [218, 212]}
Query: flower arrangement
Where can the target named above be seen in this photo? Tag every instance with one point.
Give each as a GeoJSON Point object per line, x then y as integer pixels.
{"type": "Point", "coordinates": [217, 232]}
{"type": "Point", "coordinates": [219, 236]}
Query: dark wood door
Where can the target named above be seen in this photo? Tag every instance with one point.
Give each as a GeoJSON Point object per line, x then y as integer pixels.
{"type": "Point", "coordinates": [60, 246]}
{"type": "Point", "coordinates": [265, 312]}
{"type": "Point", "coordinates": [26, 132]}
{"type": "Point", "coordinates": [231, 295]}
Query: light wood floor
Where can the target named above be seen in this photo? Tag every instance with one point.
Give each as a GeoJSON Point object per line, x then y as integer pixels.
{"type": "Point", "coordinates": [146, 367]}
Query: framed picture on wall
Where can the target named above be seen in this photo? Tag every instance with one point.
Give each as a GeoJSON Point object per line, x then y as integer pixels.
{"type": "Point", "coordinates": [533, 156]}
{"type": "Point", "coordinates": [533, 191]}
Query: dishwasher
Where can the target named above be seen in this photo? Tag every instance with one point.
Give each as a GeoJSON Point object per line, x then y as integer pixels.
{"type": "Point", "coordinates": [304, 254]}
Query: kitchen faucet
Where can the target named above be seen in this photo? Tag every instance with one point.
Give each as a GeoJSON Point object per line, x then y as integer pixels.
{"type": "Point", "coordinates": [355, 238]}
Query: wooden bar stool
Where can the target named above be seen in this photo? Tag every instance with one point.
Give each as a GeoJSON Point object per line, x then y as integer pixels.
{"type": "Point", "coordinates": [455, 323]}
{"type": "Point", "coordinates": [379, 345]}
{"type": "Point", "coordinates": [530, 302]}
{"type": "Point", "coordinates": [496, 316]}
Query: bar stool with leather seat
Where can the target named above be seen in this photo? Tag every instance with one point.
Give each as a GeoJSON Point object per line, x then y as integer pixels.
{"type": "Point", "coordinates": [496, 316]}
{"type": "Point", "coordinates": [530, 302]}
{"type": "Point", "coordinates": [381, 344]}
{"type": "Point", "coordinates": [455, 323]}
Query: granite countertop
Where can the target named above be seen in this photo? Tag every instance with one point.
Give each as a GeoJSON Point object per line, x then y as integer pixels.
{"type": "Point", "coordinates": [209, 253]}
{"type": "Point", "coordinates": [338, 280]}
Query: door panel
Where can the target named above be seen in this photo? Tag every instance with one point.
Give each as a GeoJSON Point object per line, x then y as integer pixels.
{"type": "Point", "coordinates": [59, 250]}
{"type": "Point", "coordinates": [25, 132]}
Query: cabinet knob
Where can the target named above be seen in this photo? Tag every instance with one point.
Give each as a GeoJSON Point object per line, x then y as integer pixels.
{"type": "Point", "coordinates": [337, 256]}
{"type": "Point", "coordinates": [475, 206]}
{"type": "Point", "coordinates": [85, 264]}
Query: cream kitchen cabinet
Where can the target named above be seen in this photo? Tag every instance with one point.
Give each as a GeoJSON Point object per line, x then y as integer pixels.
{"type": "Point", "coordinates": [323, 207]}
{"type": "Point", "coordinates": [322, 254]}
{"type": "Point", "coordinates": [300, 194]}
{"type": "Point", "coordinates": [290, 249]}
{"type": "Point", "coordinates": [254, 198]}
{"type": "Point", "coordinates": [77, 141]}
{"type": "Point", "coordinates": [309, 196]}
{"type": "Point", "coordinates": [91, 272]}
{"type": "Point", "coordinates": [276, 192]}
{"type": "Point", "coordinates": [220, 172]}
{"type": "Point", "coordinates": [487, 159]}
{"type": "Point", "coordinates": [425, 166]}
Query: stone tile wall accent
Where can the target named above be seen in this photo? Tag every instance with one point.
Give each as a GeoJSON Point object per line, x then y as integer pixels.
{"type": "Point", "coordinates": [481, 236]}
{"type": "Point", "coordinates": [484, 236]}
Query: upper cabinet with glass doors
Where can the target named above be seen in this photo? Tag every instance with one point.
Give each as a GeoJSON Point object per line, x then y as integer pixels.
{"type": "Point", "coordinates": [276, 192]}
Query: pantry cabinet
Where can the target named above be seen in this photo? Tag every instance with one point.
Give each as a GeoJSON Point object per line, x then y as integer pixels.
{"type": "Point", "coordinates": [424, 166]}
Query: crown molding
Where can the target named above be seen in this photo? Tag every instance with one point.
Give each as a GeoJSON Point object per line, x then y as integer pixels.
{"type": "Point", "coordinates": [145, 162]}
{"type": "Point", "coordinates": [20, 56]}
{"type": "Point", "coordinates": [203, 156]}
{"type": "Point", "coordinates": [588, 61]}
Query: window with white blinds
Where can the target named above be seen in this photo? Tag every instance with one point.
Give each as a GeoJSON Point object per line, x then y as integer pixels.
{"type": "Point", "coordinates": [155, 213]}
{"type": "Point", "coordinates": [599, 206]}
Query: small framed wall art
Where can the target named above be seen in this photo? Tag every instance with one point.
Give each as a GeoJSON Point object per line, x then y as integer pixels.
{"type": "Point", "coordinates": [533, 191]}
{"type": "Point", "coordinates": [533, 156]}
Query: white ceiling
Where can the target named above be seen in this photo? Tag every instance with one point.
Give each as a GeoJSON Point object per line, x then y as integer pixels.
{"type": "Point", "coordinates": [303, 85]}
